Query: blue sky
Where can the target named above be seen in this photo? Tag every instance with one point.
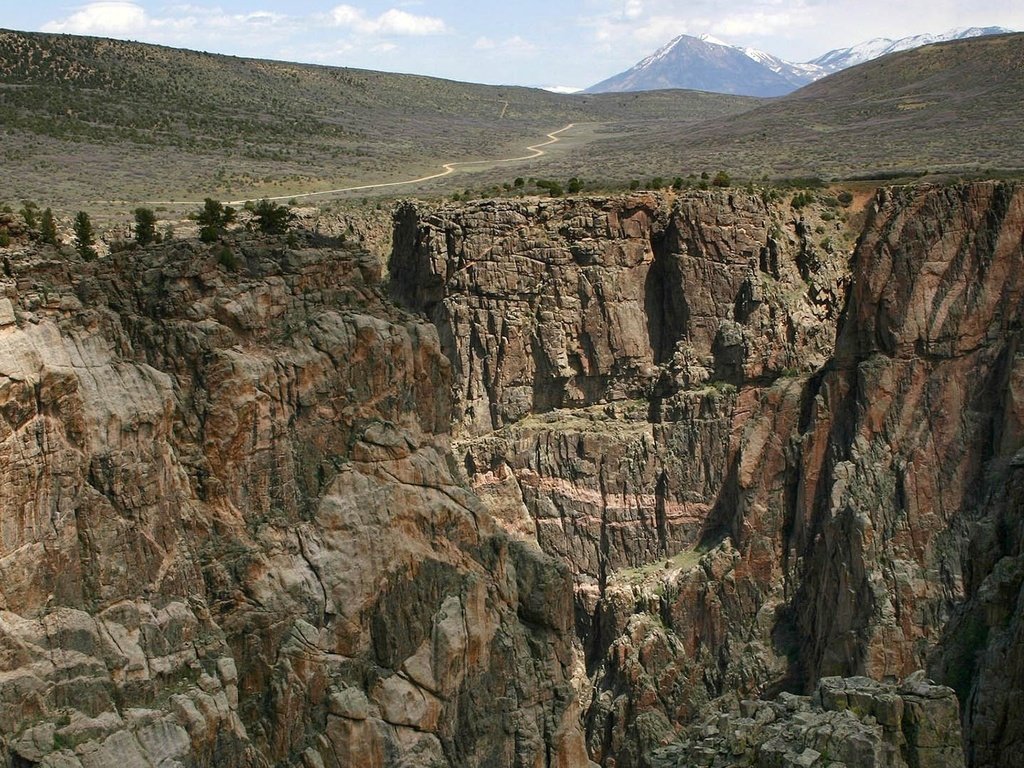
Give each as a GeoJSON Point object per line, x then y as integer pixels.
{"type": "Point", "coordinates": [540, 43]}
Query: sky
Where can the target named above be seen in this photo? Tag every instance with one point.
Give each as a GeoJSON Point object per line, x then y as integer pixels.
{"type": "Point", "coordinates": [538, 43]}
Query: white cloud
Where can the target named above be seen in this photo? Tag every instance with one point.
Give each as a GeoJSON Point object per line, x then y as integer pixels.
{"type": "Point", "coordinates": [391, 22]}
{"type": "Point", "coordinates": [346, 16]}
{"type": "Point", "coordinates": [181, 24]}
{"type": "Point", "coordinates": [397, 22]}
{"type": "Point", "coordinates": [633, 9]}
{"type": "Point", "coordinates": [515, 45]}
{"type": "Point", "coordinates": [110, 17]}
{"type": "Point", "coordinates": [762, 23]}
{"type": "Point", "coordinates": [262, 18]}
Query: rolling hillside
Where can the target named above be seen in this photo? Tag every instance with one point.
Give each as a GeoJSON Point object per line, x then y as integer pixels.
{"type": "Point", "coordinates": [88, 119]}
{"type": "Point", "coordinates": [948, 108]}
{"type": "Point", "coordinates": [98, 123]}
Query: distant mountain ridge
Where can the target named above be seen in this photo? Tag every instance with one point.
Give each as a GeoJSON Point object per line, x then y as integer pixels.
{"type": "Point", "coordinates": [706, 63]}
{"type": "Point", "coordinates": [841, 58]}
{"type": "Point", "coordinates": [701, 64]}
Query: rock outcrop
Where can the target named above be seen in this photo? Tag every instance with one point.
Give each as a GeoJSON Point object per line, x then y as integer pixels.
{"type": "Point", "coordinates": [231, 534]}
{"type": "Point", "coordinates": [563, 304]}
{"type": "Point", "coordinates": [850, 722]}
{"type": "Point", "coordinates": [648, 388]}
{"type": "Point", "coordinates": [573, 475]}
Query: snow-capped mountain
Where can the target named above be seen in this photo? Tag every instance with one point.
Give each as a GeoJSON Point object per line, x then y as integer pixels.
{"type": "Point", "coordinates": [706, 63]}
{"type": "Point", "coordinates": [841, 58]}
{"type": "Point", "coordinates": [793, 73]}
{"type": "Point", "coordinates": [700, 64]}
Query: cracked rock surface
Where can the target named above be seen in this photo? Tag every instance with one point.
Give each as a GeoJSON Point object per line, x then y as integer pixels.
{"type": "Point", "coordinates": [621, 480]}
{"type": "Point", "coordinates": [766, 459]}
{"type": "Point", "coordinates": [847, 722]}
{"type": "Point", "coordinates": [231, 533]}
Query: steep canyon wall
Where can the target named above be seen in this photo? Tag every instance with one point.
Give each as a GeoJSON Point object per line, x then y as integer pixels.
{"type": "Point", "coordinates": [232, 534]}
{"type": "Point", "coordinates": [557, 479]}
{"type": "Point", "coordinates": [758, 477]}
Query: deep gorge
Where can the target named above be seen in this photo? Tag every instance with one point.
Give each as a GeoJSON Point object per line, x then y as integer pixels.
{"type": "Point", "coordinates": [551, 482]}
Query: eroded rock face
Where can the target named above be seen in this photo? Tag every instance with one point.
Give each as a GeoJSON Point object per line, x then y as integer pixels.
{"type": "Point", "coordinates": [558, 304]}
{"type": "Point", "coordinates": [921, 477]}
{"type": "Point", "coordinates": [231, 534]}
{"type": "Point", "coordinates": [648, 388]}
{"type": "Point", "coordinates": [685, 328]}
{"type": "Point", "coordinates": [650, 457]}
{"type": "Point", "coordinates": [848, 721]}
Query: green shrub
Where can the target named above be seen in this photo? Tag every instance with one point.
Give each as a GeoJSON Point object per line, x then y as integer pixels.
{"type": "Point", "coordinates": [271, 218]}
{"type": "Point", "coordinates": [84, 238]}
{"type": "Point", "coordinates": [28, 213]}
{"type": "Point", "coordinates": [48, 228]}
{"type": "Point", "coordinates": [553, 187]}
{"type": "Point", "coordinates": [145, 226]}
{"type": "Point", "coordinates": [227, 259]}
{"type": "Point", "coordinates": [800, 199]}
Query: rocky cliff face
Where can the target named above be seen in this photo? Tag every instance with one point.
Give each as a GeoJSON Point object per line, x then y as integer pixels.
{"type": "Point", "coordinates": [852, 721]}
{"type": "Point", "coordinates": [648, 388]}
{"type": "Point", "coordinates": [232, 534]}
{"type": "Point", "coordinates": [617, 463]}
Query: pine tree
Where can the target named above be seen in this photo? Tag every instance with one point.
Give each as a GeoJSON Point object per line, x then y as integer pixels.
{"type": "Point", "coordinates": [145, 226]}
{"type": "Point", "coordinates": [48, 228]}
{"type": "Point", "coordinates": [272, 219]}
{"type": "Point", "coordinates": [28, 213]}
{"type": "Point", "coordinates": [213, 219]}
{"type": "Point", "coordinates": [84, 238]}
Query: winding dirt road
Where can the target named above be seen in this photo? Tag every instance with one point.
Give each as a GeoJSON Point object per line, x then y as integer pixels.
{"type": "Point", "coordinates": [449, 168]}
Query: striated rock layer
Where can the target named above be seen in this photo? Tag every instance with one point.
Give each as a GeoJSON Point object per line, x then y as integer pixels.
{"type": "Point", "coordinates": [756, 481]}
{"type": "Point", "coordinates": [594, 468]}
{"type": "Point", "coordinates": [231, 534]}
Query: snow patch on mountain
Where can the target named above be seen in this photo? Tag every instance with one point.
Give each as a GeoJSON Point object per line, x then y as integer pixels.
{"type": "Point", "coordinates": [841, 58]}
{"type": "Point", "coordinates": [709, 63]}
